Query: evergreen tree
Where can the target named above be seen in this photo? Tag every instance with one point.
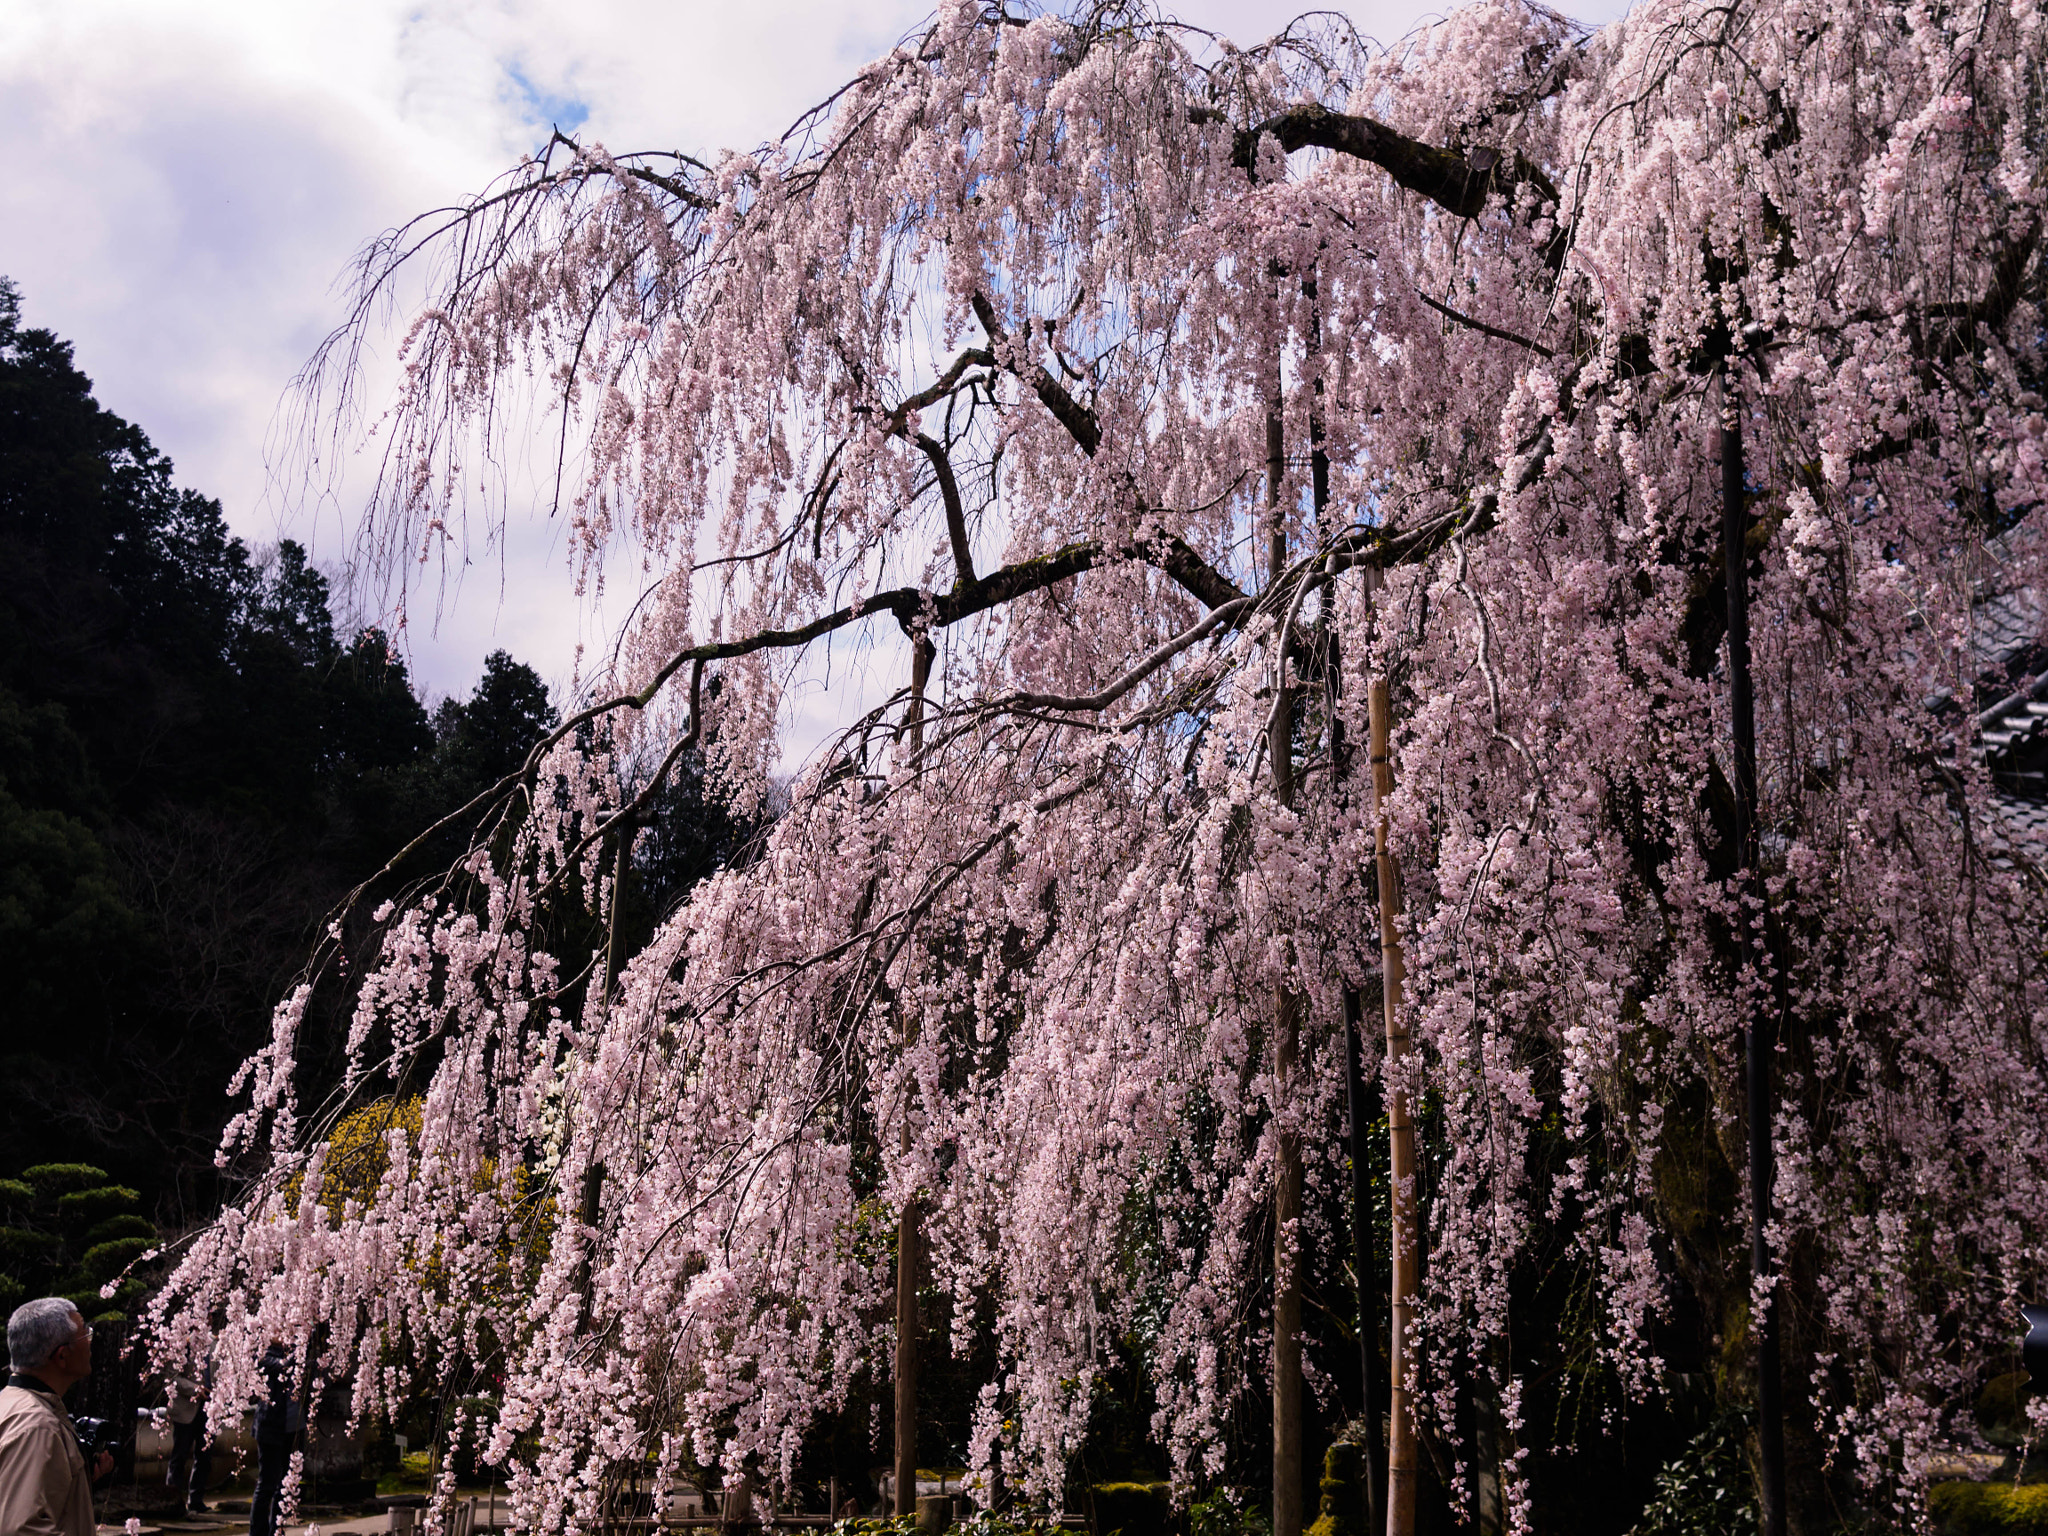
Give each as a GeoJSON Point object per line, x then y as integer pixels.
{"type": "Point", "coordinates": [195, 767]}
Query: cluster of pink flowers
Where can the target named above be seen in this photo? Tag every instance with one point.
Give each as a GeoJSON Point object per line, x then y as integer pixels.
{"type": "Point", "coordinates": [999, 345]}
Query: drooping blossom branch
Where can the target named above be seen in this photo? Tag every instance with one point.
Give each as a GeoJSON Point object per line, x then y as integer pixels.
{"type": "Point", "coordinates": [990, 345]}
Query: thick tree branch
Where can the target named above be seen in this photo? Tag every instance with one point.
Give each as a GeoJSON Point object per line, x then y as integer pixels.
{"type": "Point", "coordinates": [1166, 553]}
{"type": "Point", "coordinates": [939, 388]}
{"type": "Point", "coordinates": [1103, 697]}
{"type": "Point", "coordinates": [1190, 571]}
{"type": "Point", "coordinates": [1483, 328]}
{"type": "Point", "coordinates": [1389, 547]}
{"type": "Point", "coordinates": [956, 513]}
{"type": "Point", "coordinates": [1459, 184]}
{"type": "Point", "coordinates": [1169, 554]}
{"type": "Point", "coordinates": [1072, 414]}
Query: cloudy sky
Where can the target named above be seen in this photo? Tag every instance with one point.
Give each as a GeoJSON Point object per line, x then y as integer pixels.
{"type": "Point", "coordinates": [188, 179]}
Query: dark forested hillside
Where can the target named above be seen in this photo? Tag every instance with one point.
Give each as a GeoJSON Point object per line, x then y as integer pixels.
{"type": "Point", "coordinates": [194, 768]}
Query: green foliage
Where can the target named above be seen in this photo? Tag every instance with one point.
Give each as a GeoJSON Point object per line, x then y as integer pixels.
{"type": "Point", "coordinates": [1135, 1509]}
{"type": "Point", "coordinates": [691, 832]}
{"type": "Point", "coordinates": [195, 765]}
{"type": "Point", "coordinates": [1706, 1489]}
{"type": "Point", "coordinates": [1341, 1510]}
{"type": "Point", "coordinates": [982, 1523]}
{"type": "Point", "coordinates": [488, 737]}
{"type": "Point", "coordinates": [1989, 1509]}
{"type": "Point", "coordinates": [900, 1525]}
{"type": "Point", "coordinates": [85, 1205]}
{"type": "Point", "coordinates": [166, 783]}
{"type": "Point", "coordinates": [62, 914]}
{"type": "Point", "coordinates": [75, 1233]}
{"type": "Point", "coordinates": [128, 1224]}
{"type": "Point", "coordinates": [20, 1246]}
{"type": "Point", "coordinates": [480, 1415]}
{"type": "Point", "coordinates": [103, 1261]}
{"type": "Point", "coordinates": [94, 1307]}
{"type": "Point", "coordinates": [23, 1250]}
{"type": "Point", "coordinates": [53, 1181]}
{"type": "Point", "coordinates": [1228, 1513]}
{"type": "Point", "coordinates": [2001, 1410]}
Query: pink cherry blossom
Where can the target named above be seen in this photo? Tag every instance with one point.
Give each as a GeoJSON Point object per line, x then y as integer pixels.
{"type": "Point", "coordinates": [989, 345]}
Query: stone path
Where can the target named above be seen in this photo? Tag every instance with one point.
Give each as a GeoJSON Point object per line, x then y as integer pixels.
{"type": "Point", "coordinates": [353, 1525]}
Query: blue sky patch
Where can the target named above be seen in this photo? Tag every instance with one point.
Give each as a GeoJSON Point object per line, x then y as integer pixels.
{"type": "Point", "coordinates": [542, 108]}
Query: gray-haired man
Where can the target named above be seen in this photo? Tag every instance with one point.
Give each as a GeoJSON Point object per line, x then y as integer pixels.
{"type": "Point", "coordinates": [44, 1490]}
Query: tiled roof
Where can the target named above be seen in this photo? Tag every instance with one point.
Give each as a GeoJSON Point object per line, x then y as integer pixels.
{"type": "Point", "coordinates": [2023, 822]}
{"type": "Point", "coordinates": [2014, 731]}
{"type": "Point", "coordinates": [2009, 643]}
{"type": "Point", "coordinates": [2005, 624]}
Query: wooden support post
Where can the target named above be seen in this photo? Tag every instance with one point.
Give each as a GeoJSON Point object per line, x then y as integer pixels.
{"type": "Point", "coordinates": [1406, 1241]}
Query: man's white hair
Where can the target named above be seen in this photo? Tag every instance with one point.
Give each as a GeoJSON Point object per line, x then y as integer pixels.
{"type": "Point", "coordinates": [38, 1329]}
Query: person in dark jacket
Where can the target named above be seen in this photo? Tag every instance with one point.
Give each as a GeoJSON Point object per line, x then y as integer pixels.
{"type": "Point", "coordinates": [190, 1464]}
{"type": "Point", "coordinates": [279, 1418]}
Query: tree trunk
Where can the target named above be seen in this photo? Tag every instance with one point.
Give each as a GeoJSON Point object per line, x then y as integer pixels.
{"type": "Point", "coordinates": [588, 1210]}
{"type": "Point", "coordinates": [1356, 1097]}
{"type": "Point", "coordinates": [910, 1227]}
{"type": "Point", "coordinates": [1759, 1033]}
{"type": "Point", "coordinates": [1407, 1246]}
{"type": "Point", "coordinates": [1287, 1480]}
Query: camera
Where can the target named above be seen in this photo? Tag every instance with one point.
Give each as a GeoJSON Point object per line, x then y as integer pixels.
{"type": "Point", "coordinates": [96, 1435]}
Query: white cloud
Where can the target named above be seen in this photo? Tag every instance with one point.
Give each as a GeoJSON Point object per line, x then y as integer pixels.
{"type": "Point", "coordinates": [188, 179]}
